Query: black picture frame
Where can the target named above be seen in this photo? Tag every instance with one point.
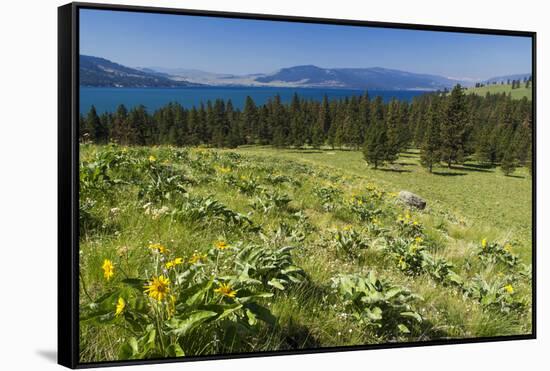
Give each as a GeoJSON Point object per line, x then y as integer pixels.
{"type": "Point", "coordinates": [68, 185]}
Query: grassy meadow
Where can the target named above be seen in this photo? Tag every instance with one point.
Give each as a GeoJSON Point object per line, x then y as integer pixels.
{"type": "Point", "coordinates": [518, 93]}
{"type": "Point", "coordinates": [196, 251]}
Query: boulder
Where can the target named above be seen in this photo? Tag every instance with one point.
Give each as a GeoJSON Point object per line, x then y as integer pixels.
{"type": "Point", "coordinates": [412, 200]}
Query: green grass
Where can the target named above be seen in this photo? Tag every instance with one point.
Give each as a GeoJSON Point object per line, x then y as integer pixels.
{"type": "Point", "coordinates": [121, 217]}
{"type": "Point", "coordinates": [518, 93]}
{"type": "Point", "coordinates": [483, 201]}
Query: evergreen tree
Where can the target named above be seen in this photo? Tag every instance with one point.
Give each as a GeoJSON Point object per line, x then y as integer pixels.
{"type": "Point", "coordinates": [278, 122]}
{"type": "Point", "coordinates": [122, 131]}
{"type": "Point", "coordinates": [430, 151]}
{"type": "Point", "coordinates": [375, 151]}
{"type": "Point", "coordinates": [453, 127]}
{"type": "Point", "coordinates": [321, 125]}
{"type": "Point", "coordinates": [250, 121]}
{"type": "Point", "coordinates": [297, 130]}
{"type": "Point", "coordinates": [91, 130]}
{"type": "Point", "coordinates": [393, 130]}
{"type": "Point", "coordinates": [508, 165]}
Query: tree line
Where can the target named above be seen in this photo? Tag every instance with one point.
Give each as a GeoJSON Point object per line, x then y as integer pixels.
{"type": "Point", "coordinates": [447, 127]}
{"type": "Point", "coordinates": [516, 84]}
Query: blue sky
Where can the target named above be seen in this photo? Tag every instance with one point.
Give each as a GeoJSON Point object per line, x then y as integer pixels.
{"type": "Point", "coordinates": [247, 46]}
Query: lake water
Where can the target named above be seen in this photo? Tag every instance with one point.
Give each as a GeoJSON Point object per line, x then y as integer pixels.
{"type": "Point", "coordinates": [107, 99]}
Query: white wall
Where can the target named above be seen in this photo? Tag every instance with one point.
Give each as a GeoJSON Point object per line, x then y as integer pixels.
{"type": "Point", "coordinates": [28, 58]}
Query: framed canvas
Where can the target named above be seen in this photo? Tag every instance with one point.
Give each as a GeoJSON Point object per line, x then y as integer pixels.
{"type": "Point", "coordinates": [239, 185]}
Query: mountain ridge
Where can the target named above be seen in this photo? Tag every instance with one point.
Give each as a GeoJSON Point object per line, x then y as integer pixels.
{"type": "Point", "coordinates": [101, 72]}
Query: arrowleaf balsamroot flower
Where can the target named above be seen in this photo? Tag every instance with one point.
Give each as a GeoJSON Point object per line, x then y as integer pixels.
{"type": "Point", "coordinates": [120, 305]}
{"type": "Point", "coordinates": [158, 247]}
{"type": "Point", "coordinates": [108, 269]}
{"type": "Point", "coordinates": [509, 289]}
{"type": "Point", "coordinates": [173, 263]}
{"type": "Point", "coordinates": [197, 258]}
{"type": "Point", "coordinates": [484, 243]}
{"type": "Point", "coordinates": [222, 245]}
{"type": "Point", "coordinates": [158, 288]}
{"type": "Point", "coordinates": [225, 290]}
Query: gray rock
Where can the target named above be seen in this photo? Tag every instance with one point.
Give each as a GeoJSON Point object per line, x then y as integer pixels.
{"type": "Point", "coordinates": [412, 200]}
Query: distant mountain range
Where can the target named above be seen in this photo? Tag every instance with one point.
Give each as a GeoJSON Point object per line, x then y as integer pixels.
{"type": "Point", "coordinates": [310, 76]}
{"type": "Point", "coordinates": [101, 72]}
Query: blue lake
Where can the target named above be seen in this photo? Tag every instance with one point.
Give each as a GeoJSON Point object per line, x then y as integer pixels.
{"type": "Point", "coordinates": [107, 99]}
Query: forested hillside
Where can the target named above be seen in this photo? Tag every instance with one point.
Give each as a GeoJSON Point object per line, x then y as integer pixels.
{"type": "Point", "coordinates": [448, 128]}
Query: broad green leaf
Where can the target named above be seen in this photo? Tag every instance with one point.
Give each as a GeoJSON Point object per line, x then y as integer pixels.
{"type": "Point", "coordinates": [413, 315]}
{"type": "Point", "coordinates": [404, 329]}
{"type": "Point", "coordinates": [174, 350]}
{"type": "Point", "coordinates": [181, 325]}
{"type": "Point", "coordinates": [276, 283]}
{"type": "Point", "coordinates": [252, 320]}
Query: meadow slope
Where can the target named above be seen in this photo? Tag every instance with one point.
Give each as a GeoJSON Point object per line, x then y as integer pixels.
{"type": "Point", "coordinates": [189, 252]}
{"type": "Point", "coordinates": [518, 93]}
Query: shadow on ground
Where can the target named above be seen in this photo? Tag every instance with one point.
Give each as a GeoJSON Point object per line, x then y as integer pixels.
{"type": "Point", "coordinates": [49, 355]}
{"type": "Point", "coordinates": [442, 173]}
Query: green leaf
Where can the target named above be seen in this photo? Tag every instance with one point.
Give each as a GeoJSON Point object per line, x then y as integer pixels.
{"type": "Point", "coordinates": [453, 277]}
{"type": "Point", "coordinates": [174, 350]}
{"type": "Point", "coordinates": [413, 315]}
{"type": "Point", "coordinates": [262, 313]}
{"type": "Point", "coordinates": [276, 283]}
{"type": "Point", "coordinates": [230, 309]}
{"type": "Point", "coordinates": [181, 325]}
{"type": "Point", "coordinates": [393, 292]}
{"type": "Point", "coordinates": [252, 320]}
{"type": "Point", "coordinates": [129, 349]}
{"type": "Point", "coordinates": [404, 329]}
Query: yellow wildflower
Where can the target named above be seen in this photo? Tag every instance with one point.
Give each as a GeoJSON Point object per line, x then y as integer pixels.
{"type": "Point", "coordinates": [158, 288]}
{"type": "Point", "coordinates": [221, 245]}
{"type": "Point", "coordinates": [418, 240]}
{"type": "Point", "coordinates": [509, 289]}
{"type": "Point", "coordinates": [348, 227]}
{"type": "Point", "coordinates": [484, 243]}
{"type": "Point", "coordinates": [120, 305]}
{"type": "Point", "coordinates": [226, 290]}
{"type": "Point", "coordinates": [197, 258]}
{"type": "Point", "coordinates": [152, 158]}
{"type": "Point", "coordinates": [223, 170]}
{"type": "Point", "coordinates": [108, 269]}
{"type": "Point", "coordinates": [158, 247]}
{"type": "Point", "coordinates": [173, 263]}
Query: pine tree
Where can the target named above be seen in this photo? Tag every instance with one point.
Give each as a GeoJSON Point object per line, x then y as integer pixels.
{"type": "Point", "coordinates": [250, 124]}
{"type": "Point", "coordinates": [508, 165]}
{"type": "Point", "coordinates": [375, 149]}
{"type": "Point", "coordinates": [193, 133]}
{"type": "Point", "coordinates": [297, 133]}
{"type": "Point", "coordinates": [122, 132]}
{"type": "Point", "coordinates": [453, 127]}
{"type": "Point", "coordinates": [320, 125]}
{"type": "Point", "coordinates": [393, 130]}
{"type": "Point", "coordinates": [430, 151]}
{"type": "Point", "coordinates": [92, 126]}
{"type": "Point", "coordinates": [278, 122]}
